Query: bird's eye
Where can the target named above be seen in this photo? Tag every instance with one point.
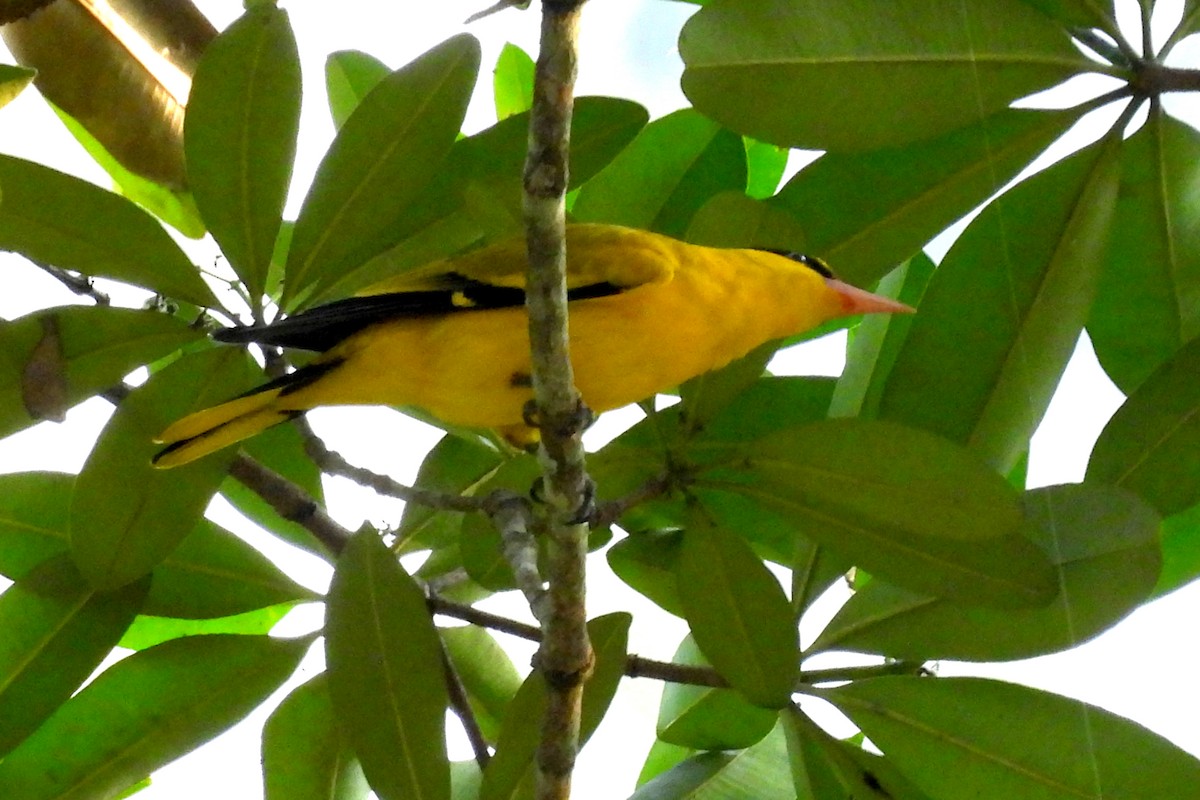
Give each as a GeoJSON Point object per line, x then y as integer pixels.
{"type": "Point", "coordinates": [817, 265]}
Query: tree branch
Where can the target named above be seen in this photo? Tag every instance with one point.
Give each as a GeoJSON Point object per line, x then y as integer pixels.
{"type": "Point", "coordinates": [565, 656]}
{"type": "Point", "coordinates": [290, 502]}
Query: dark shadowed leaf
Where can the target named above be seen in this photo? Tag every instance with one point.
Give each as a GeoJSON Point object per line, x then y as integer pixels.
{"type": "Point", "coordinates": [1103, 542]}
{"type": "Point", "coordinates": [57, 629]}
{"type": "Point", "coordinates": [304, 757]}
{"type": "Point", "coordinates": [738, 613]}
{"type": "Point", "coordinates": [906, 505]}
{"type": "Point", "coordinates": [866, 212]}
{"type": "Point", "coordinates": [70, 223]}
{"type": "Point", "coordinates": [385, 673]}
{"type": "Point", "coordinates": [1144, 310]}
{"type": "Point", "coordinates": [1151, 446]}
{"type": "Point", "coordinates": [384, 156]}
{"type": "Point", "coordinates": [13, 81]}
{"type": "Point", "coordinates": [665, 175]}
{"type": "Point", "coordinates": [704, 718]}
{"type": "Point", "coordinates": [144, 712]}
{"type": "Point", "coordinates": [56, 358]}
{"type": "Point", "coordinates": [240, 137]}
{"type": "Point", "coordinates": [751, 63]}
{"type": "Point", "coordinates": [127, 516]}
{"type": "Point", "coordinates": [1003, 312]}
{"type": "Point", "coordinates": [970, 737]}
{"type": "Point", "coordinates": [822, 767]}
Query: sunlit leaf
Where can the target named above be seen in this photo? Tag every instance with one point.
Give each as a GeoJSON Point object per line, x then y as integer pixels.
{"type": "Point", "coordinates": [144, 712]}
{"type": "Point", "coordinates": [148, 631]}
{"type": "Point", "coordinates": [512, 81]}
{"type": "Point", "coordinates": [349, 77]}
{"type": "Point", "coordinates": [13, 81]}
{"type": "Point", "coordinates": [826, 75]}
{"type": "Point", "coordinates": [240, 137]}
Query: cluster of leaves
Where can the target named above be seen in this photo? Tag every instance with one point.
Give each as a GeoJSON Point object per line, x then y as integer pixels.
{"type": "Point", "coordinates": [908, 466]}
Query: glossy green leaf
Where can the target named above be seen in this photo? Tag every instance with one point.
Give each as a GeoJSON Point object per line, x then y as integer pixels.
{"type": "Point", "coordinates": [56, 358]}
{"type": "Point", "coordinates": [703, 718]}
{"type": "Point", "coordinates": [765, 165]}
{"type": "Point", "coordinates": [509, 774]}
{"type": "Point", "coordinates": [384, 156]}
{"type": "Point", "coordinates": [385, 673]}
{"type": "Point", "coordinates": [906, 505]}
{"type": "Point", "coordinates": [646, 561]}
{"type": "Point", "coordinates": [665, 175]}
{"type": "Point", "coordinates": [488, 676]}
{"type": "Point", "coordinates": [240, 137]}
{"type": "Point", "coordinates": [349, 77]}
{"type": "Point", "coordinates": [877, 340]}
{"type": "Point", "coordinates": [477, 190]}
{"type": "Point", "coordinates": [1151, 446]}
{"type": "Point", "coordinates": [144, 712]}
{"type": "Point", "coordinates": [1180, 551]}
{"type": "Point", "coordinates": [1144, 308]}
{"type": "Point", "coordinates": [756, 773]}
{"type": "Point", "coordinates": [57, 629]}
{"type": "Point", "coordinates": [1104, 545]}
{"type": "Point", "coordinates": [970, 737]}
{"type": "Point", "coordinates": [303, 755]}
{"type": "Point", "coordinates": [1003, 312]}
{"type": "Point", "coordinates": [13, 80]}
{"type": "Point", "coordinates": [738, 613]}
{"type": "Point", "coordinates": [56, 219]}
{"type": "Point", "coordinates": [148, 631]}
{"type": "Point", "coordinates": [866, 212]}
{"type": "Point", "coordinates": [512, 81]}
{"type": "Point", "coordinates": [751, 63]}
{"type": "Point", "coordinates": [455, 466]}
{"type": "Point", "coordinates": [661, 757]}
{"type": "Point", "coordinates": [127, 516]}
{"type": "Point", "coordinates": [821, 767]}
{"type": "Point", "coordinates": [282, 450]}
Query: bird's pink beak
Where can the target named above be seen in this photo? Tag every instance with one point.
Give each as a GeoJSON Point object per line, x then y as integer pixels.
{"type": "Point", "coordinates": [857, 301]}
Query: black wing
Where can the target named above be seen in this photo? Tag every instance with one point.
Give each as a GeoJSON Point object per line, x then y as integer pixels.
{"type": "Point", "coordinates": [320, 328]}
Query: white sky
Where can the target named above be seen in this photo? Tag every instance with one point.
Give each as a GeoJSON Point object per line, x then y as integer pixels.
{"type": "Point", "coordinates": [1143, 669]}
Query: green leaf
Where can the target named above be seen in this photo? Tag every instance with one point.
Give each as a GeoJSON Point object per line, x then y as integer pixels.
{"type": "Point", "coordinates": [303, 754]}
{"type": "Point", "coordinates": [510, 772]}
{"type": "Point", "coordinates": [821, 766]}
{"type": "Point", "coordinates": [147, 631]}
{"type": "Point", "coordinates": [770, 404]}
{"type": "Point", "coordinates": [56, 219]}
{"type": "Point", "coordinates": [55, 358]}
{"type": "Point", "coordinates": [756, 773]}
{"type": "Point", "coordinates": [385, 155]}
{"type": "Point", "coordinates": [1144, 307]}
{"type": "Point", "coordinates": [646, 561]}
{"type": "Point", "coordinates": [489, 677]}
{"type": "Point", "coordinates": [665, 175]}
{"type": "Point", "coordinates": [969, 737]}
{"type": "Point", "coordinates": [127, 516]}
{"type": "Point", "coordinates": [765, 165]}
{"type": "Point", "coordinates": [731, 219]}
{"type": "Point", "coordinates": [385, 673]}
{"type": "Point", "coordinates": [512, 81]}
{"type": "Point", "coordinates": [661, 757]}
{"type": "Point", "coordinates": [33, 519]}
{"type": "Point", "coordinates": [1085, 13]}
{"type": "Point", "coordinates": [57, 630]}
{"type": "Point", "coordinates": [704, 396]}
{"type": "Point", "coordinates": [13, 80]}
{"type": "Point", "coordinates": [240, 137]}
{"type": "Point", "coordinates": [1180, 551]}
{"type": "Point", "coordinates": [906, 505]}
{"type": "Point", "coordinates": [866, 212]}
{"type": "Point", "coordinates": [1103, 542]}
{"type": "Point", "coordinates": [454, 466]}
{"type": "Point", "coordinates": [704, 718]}
{"type": "Point", "coordinates": [1151, 446]}
{"type": "Point", "coordinates": [877, 340]}
{"type": "Point", "coordinates": [349, 77]}
{"type": "Point", "coordinates": [1003, 313]}
{"type": "Point", "coordinates": [144, 712]}
{"type": "Point", "coordinates": [751, 63]}
{"type": "Point", "coordinates": [738, 613]}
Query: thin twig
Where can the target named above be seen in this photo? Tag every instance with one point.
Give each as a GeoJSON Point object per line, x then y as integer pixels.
{"type": "Point", "coordinates": [638, 667]}
{"type": "Point", "coordinates": [512, 517]}
{"type": "Point", "coordinates": [608, 513]}
{"type": "Point", "coordinates": [462, 708]}
{"type": "Point", "coordinates": [290, 502]}
{"type": "Point", "coordinates": [79, 284]}
{"type": "Point", "coordinates": [484, 619]}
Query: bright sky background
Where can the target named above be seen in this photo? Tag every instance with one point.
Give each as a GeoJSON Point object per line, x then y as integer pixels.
{"type": "Point", "coordinates": [1143, 669]}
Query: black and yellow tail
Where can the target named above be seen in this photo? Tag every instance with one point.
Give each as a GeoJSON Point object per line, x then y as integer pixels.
{"type": "Point", "coordinates": [207, 431]}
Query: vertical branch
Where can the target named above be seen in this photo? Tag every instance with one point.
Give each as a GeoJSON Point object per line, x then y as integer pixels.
{"type": "Point", "coordinates": [565, 656]}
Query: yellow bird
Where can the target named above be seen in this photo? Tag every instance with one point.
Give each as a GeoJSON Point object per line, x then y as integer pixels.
{"type": "Point", "coordinates": [647, 313]}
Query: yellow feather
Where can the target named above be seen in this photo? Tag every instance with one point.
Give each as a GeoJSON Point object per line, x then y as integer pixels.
{"type": "Point", "coordinates": [684, 310]}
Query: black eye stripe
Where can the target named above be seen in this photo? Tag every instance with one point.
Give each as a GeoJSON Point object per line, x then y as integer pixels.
{"type": "Point", "coordinates": [812, 262]}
